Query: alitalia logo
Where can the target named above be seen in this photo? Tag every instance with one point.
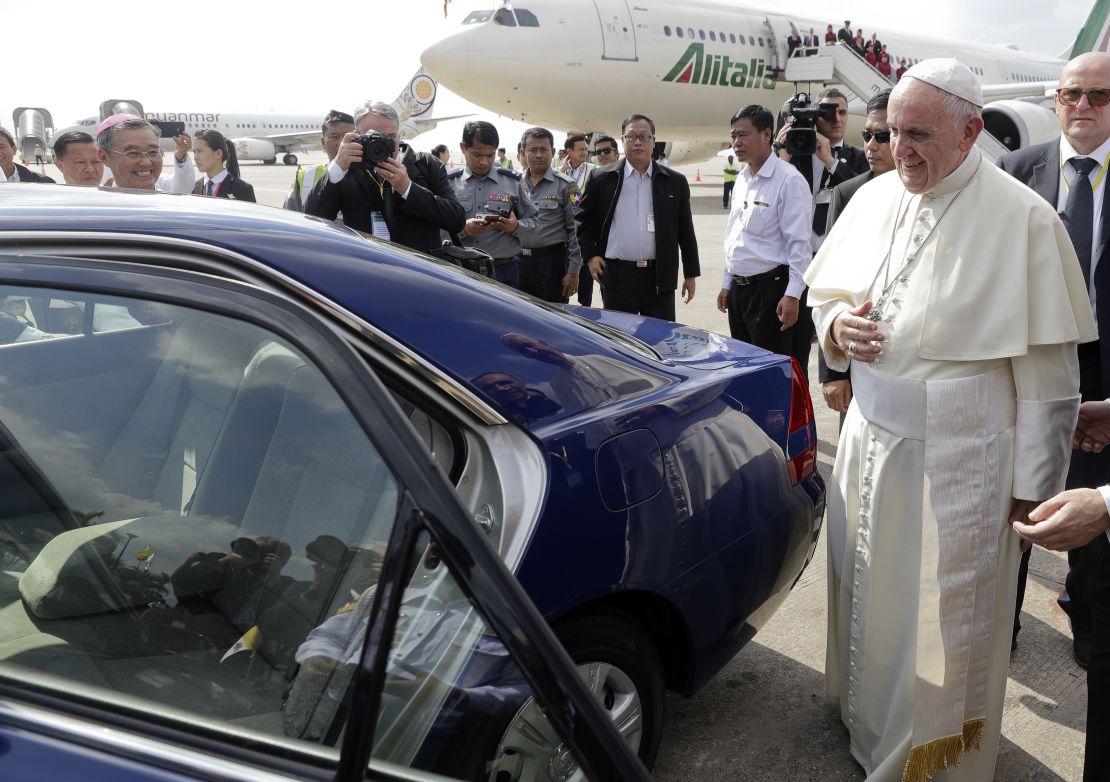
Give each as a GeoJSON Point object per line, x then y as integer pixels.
{"type": "Point", "coordinates": [697, 67]}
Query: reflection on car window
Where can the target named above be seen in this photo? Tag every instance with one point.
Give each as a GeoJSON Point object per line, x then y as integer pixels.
{"type": "Point", "coordinates": [29, 315]}
{"type": "Point", "coordinates": [190, 506]}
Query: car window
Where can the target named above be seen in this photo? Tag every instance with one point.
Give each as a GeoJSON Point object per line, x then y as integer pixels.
{"type": "Point", "coordinates": [186, 503]}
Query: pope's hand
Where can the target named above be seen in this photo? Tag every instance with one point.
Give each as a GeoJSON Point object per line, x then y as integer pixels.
{"type": "Point", "coordinates": [1092, 432]}
{"type": "Point", "coordinates": [856, 335]}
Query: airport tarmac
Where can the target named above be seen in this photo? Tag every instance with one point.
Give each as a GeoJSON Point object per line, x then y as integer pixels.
{"type": "Point", "coordinates": [765, 716]}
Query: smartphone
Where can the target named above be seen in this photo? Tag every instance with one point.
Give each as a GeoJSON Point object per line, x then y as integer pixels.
{"type": "Point", "coordinates": [171, 129]}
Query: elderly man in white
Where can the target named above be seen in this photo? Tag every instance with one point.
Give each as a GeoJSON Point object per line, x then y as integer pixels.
{"type": "Point", "coordinates": [955, 293]}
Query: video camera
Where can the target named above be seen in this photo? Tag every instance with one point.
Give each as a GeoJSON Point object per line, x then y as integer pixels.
{"type": "Point", "coordinates": [801, 139]}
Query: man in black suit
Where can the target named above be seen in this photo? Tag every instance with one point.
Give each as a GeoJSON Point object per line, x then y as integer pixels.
{"type": "Point", "coordinates": [845, 33]}
{"type": "Point", "coordinates": [793, 42]}
{"type": "Point", "coordinates": [633, 220]}
{"type": "Point", "coordinates": [406, 200]}
{"type": "Point", "coordinates": [1083, 148]}
{"type": "Point", "coordinates": [10, 171]}
{"type": "Point", "coordinates": [837, 386]}
{"type": "Point", "coordinates": [834, 163]}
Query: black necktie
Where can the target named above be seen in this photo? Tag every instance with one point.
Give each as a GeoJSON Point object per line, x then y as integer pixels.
{"type": "Point", "coordinates": [1079, 214]}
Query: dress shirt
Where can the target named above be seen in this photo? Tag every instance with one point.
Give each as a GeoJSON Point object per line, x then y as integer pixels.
{"type": "Point", "coordinates": [632, 232]}
{"type": "Point", "coordinates": [769, 224]}
{"type": "Point", "coordinates": [14, 177]}
{"type": "Point", "coordinates": [579, 174]}
{"type": "Point", "coordinates": [1067, 152]}
{"type": "Point", "coordinates": [499, 188]}
{"type": "Point", "coordinates": [220, 177]}
{"type": "Point", "coordinates": [182, 178]}
{"type": "Point", "coordinates": [556, 200]}
{"type": "Point", "coordinates": [336, 174]}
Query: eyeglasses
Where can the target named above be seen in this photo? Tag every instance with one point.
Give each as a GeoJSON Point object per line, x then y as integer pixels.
{"type": "Point", "coordinates": [135, 155]}
{"type": "Point", "coordinates": [1069, 96]}
{"type": "Point", "coordinates": [882, 136]}
{"type": "Point", "coordinates": [606, 150]}
{"type": "Point", "coordinates": [642, 137]}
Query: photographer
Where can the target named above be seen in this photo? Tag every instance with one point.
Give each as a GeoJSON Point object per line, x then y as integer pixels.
{"type": "Point", "coordinates": [384, 188]}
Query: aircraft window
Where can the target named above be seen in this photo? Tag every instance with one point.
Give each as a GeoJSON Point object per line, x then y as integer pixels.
{"type": "Point", "coordinates": [477, 17]}
{"type": "Point", "coordinates": [504, 17]}
{"type": "Point", "coordinates": [690, 31]}
{"type": "Point", "coordinates": [667, 30]}
{"type": "Point", "coordinates": [526, 18]}
{"type": "Point", "coordinates": [732, 37]}
{"type": "Point", "coordinates": [701, 34]}
{"type": "Point", "coordinates": [678, 32]}
{"type": "Point", "coordinates": [751, 40]}
{"type": "Point", "coordinates": [721, 36]}
{"type": "Point", "coordinates": [761, 41]}
{"type": "Point", "coordinates": [712, 36]}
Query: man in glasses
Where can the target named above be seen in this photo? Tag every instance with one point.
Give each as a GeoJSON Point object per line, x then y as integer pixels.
{"type": "Point", "coordinates": [836, 386]}
{"type": "Point", "coordinates": [954, 295]}
{"type": "Point", "coordinates": [1070, 173]}
{"type": "Point", "coordinates": [634, 220]}
{"type": "Point", "coordinates": [606, 153]}
{"type": "Point", "coordinates": [405, 198]}
{"type": "Point", "coordinates": [128, 145]}
{"type": "Point", "coordinates": [10, 171]}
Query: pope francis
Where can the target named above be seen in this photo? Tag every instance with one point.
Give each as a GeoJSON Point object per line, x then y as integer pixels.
{"type": "Point", "coordinates": [954, 292]}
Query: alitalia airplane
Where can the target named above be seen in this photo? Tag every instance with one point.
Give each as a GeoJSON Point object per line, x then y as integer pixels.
{"type": "Point", "coordinates": [256, 136]}
{"type": "Point", "coordinates": [689, 64]}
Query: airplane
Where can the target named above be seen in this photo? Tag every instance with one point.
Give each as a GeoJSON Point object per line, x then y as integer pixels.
{"type": "Point", "coordinates": [689, 64]}
{"type": "Point", "coordinates": [255, 136]}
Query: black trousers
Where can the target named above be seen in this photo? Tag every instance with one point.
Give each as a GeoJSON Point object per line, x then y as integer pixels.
{"type": "Point", "coordinates": [541, 273]}
{"type": "Point", "coordinates": [626, 287]}
{"type": "Point", "coordinates": [801, 335]}
{"type": "Point", "coordinates": [751, 311]}
{"type": "Point", "coordinates": [727, 199]}
{"type": "Point", "coordinates": [1096, 760]}
{"type": "Point", "coordinates": [585, 285]}
{"type": "Point", "coordinates": [507, 270]}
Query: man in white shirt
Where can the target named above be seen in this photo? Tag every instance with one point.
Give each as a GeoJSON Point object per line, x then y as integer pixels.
{"type": "Point", "coordinates": [128, 145]}
{"type": "Point", "coordinates": [767, 238]}
{"type": "Point", "coordinates": [575, 166]}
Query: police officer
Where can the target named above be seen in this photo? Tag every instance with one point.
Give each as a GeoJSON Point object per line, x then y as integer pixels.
{"type": "Point", "coordinates": [550, 259]}
{"type": "Point", "coordinates": [497, 211]}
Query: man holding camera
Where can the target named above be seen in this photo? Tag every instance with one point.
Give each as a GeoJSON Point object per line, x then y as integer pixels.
{"type": "Point", "coordinates": [384, 188]}
{"type": "Point", "coordinates": [831, 163]}
{"type": "Point", "coordinates": [766, 240]}
{"type": "Point", "coordinates": [497, 211]}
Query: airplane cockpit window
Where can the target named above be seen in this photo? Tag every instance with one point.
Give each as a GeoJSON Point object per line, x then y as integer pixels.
{"type": "Point", "coordinates": [477, 17]}
{"type": "Point", "coordinates": [526, 18]}
{"type": "Point", "coordinates": [504, 17]}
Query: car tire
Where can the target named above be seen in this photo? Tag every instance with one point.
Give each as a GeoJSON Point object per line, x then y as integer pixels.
{"type": "Point", "coordinates": [621, 665]}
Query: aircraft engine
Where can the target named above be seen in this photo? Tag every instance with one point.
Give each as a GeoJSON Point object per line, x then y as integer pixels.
{"type": "Point", "coordinates": [254, 149]}
{"type": "Point", "coordinates": [1019, 123]}
{"type": "Point", "coordinates": [685, 152]}
{"type": "Point", "coordinates": [32, 129]}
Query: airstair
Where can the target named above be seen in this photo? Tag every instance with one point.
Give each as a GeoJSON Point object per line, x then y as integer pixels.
{"type": "Point", "coordinates": [33, 129]}
{"type": "Point", "coordinates": [842, 64]}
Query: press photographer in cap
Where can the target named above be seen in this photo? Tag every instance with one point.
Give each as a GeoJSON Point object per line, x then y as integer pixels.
{"type": "Point", "coordinates": [384, 188]}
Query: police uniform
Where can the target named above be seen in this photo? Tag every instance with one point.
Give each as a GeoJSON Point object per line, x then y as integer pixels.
{"type": "Point", "coordinates": [498, 189]}
{"type": "Point", "coordinates": [550, 251]}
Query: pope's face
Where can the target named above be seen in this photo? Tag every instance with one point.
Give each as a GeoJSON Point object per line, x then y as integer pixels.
{"type": "Point", "coordinates": [1085, 126]}
{"type": "Point", "coordinates": [81, 165]}
{"type": "Point", "coordinates": [927, 144]}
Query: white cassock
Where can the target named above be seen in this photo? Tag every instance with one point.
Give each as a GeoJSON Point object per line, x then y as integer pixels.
{"type": "Point", "coordinates": [974, 402]}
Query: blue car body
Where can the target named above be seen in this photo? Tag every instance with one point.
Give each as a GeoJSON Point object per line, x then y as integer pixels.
{"type": "Point", "coordinates": [681, 482]}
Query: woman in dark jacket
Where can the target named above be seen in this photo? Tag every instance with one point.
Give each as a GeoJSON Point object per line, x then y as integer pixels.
{"type": "Point", "coordinates": [215, 156]}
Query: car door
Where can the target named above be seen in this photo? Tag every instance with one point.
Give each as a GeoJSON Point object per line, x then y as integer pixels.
{"type": "Point", "coordinates": [224, 554]}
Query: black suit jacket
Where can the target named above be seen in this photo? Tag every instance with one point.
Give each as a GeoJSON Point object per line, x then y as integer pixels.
{"type": "Point", "coordinates": [231, 187]}
{"type": "Point", "coordinates": [415, 221]}
{"type": "Point", "coordinates": [1039, 168]}
{"type": "Point", "coordinates": [853, 162]}
{"type": "Point", "coordinates": [674, 222]}
{"type": "Point", "coordinates": [27, 175]}
{"type": "Point", "coordinates": [841, 195]}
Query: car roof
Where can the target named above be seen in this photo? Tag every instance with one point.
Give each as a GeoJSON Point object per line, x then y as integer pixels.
{"type": "Point", "coordinates": [452, 319]}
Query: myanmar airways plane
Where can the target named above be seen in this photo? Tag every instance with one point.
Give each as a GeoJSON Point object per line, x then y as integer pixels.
{"type": "Point", "coordinates": [689, 64]}
{"type": "Point", "coordinates": [263, 136]}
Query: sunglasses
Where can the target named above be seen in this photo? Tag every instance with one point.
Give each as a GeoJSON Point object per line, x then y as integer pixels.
{"type": "Point", "coordinates": [882, 136]}
{"type": "Point", "coordinates": [606, 150]}
{"type": "Point", "coordinates": [1069, 96]}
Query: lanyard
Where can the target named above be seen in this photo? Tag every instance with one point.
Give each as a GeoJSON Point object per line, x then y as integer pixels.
{"type": "Point", "coordinates": [1098, 179]}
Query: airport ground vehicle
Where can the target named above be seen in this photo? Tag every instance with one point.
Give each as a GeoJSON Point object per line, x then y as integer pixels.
{"type": "Point", "coordinates": [240, 447]}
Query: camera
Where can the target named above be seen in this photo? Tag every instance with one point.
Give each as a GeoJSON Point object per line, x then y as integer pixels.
{"type": "Point", "coordinates": [801, 139]}
{"type": "Point", "coordinates": [376, 148]}
{"type": "Point", "coordinates": [491, 215]}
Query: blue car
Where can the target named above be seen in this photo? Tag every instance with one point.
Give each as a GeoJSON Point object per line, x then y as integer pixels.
{"type": "Point", "coordinates": [265, 480]}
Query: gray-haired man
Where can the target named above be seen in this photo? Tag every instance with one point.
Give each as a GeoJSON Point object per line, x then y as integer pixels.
{"type": "Point", "coordinates": [128, 145]}
{"type": "Point", "coordinates": [404, 198]}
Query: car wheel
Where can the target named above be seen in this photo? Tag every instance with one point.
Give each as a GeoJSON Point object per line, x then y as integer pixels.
{"type": "Point", "coordinates": [622, 668]}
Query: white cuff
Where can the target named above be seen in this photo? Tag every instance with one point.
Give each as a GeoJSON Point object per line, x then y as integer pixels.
{"type": "Point", "coordinates": [1105, 492]}
{"type": "Point", "coordinates": [1042, 446]}
{"type": "Point", "coordinates": [405, 195]}
{"type": "Point", "coordinates": [835, 358]}
{"type": "Point", "coordinates": [335, 173]}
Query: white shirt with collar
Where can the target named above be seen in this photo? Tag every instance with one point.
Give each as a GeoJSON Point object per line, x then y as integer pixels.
{"type": "Point", "coordinates": [1099, 155]}
{"type": "Point", "coordinates": [182, 178]}
{"type": "Point", "coordinates": [15, 174]}
{"type": "Point", "coordinates": [220, 177]}
{"type": "Point", "coordinates": [769, 224]}
{"type": "Point", "coordinates": [632, 232]}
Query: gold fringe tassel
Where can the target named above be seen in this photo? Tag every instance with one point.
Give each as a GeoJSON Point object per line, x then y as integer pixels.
{"type": "Point", "coordinates": [940, 754]}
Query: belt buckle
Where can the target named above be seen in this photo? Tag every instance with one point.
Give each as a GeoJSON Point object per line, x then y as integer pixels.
{"type": "Point", "coordinates": [641, 264]}
{"type": "Point", "coordinates": [525, 251]}
{"type": "Point", "coordinates": [740, 279]}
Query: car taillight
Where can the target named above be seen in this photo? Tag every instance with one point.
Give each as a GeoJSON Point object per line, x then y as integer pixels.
{"type": "Point", "coordinates": [801, 433]}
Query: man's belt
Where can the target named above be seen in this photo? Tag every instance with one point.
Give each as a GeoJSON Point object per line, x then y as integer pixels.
{"type": "Point", "coordinates": [637, 264]}
{"type": "Point", "coordinates": [541, 250]}
{"type": "Point", "coordinates": [740, 279]}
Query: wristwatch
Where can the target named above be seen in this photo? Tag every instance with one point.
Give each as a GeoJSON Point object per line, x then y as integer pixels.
{"type": "Point", "coordinates": [778, 147]}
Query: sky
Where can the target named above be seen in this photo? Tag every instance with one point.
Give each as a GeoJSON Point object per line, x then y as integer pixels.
{"type": "Point", "coordinates": [239, 55]}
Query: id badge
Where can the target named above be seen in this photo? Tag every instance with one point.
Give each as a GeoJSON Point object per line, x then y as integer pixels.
{"type": "Point", "coordinates": [824, 196]}
{"type": "Point", "coordinates": [380, 229]}
{"type": "Point", "coordinates": [651, 223]}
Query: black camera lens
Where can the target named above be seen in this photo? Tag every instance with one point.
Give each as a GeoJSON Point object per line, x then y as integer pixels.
{"type": "Point", "coordinates": [376, 148]}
